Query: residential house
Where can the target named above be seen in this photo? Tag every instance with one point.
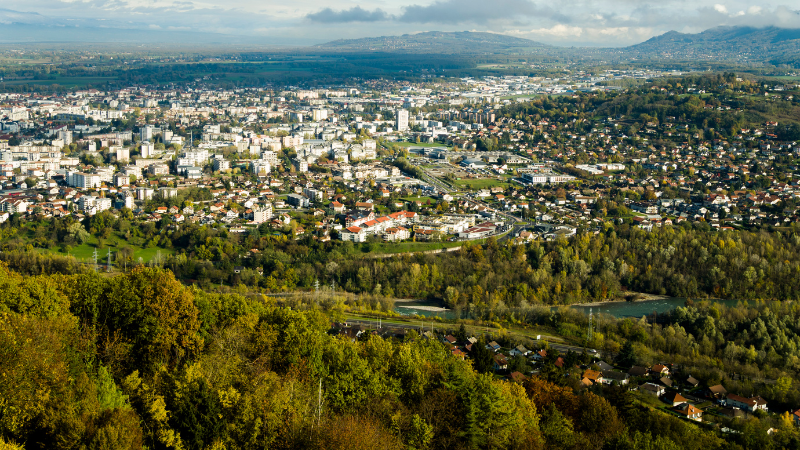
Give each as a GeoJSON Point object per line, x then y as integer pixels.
{"type": "Point", "coordinates": [752, 404]}
{"type": "Point", "coordinates": [519, 350]}
{"type": "Point", "coordinates": [517, 377]}
{"type": "Point", "coordinates": [593, 376]}
{"type": "Point", "coordinates": [660, 369]}
{"type": "Point", "coordinates": [717, 391]}
{"type": "Point", "coordinates": [493, 346]}
{"type": "Point", "coordinates": [354, 234]}
{"type": "Point", "coordinates": [691, 412]}
{"type": "Point", "coordinates": [540, 355]}
{"type": "Point", "coordinates": [674, 398]}
{"type": "Point", "coordinates": [652, 389]}
{"type": "Point", "coordinates": [500, 362]}
{"type": "Point", "coordinates": [609, 377]}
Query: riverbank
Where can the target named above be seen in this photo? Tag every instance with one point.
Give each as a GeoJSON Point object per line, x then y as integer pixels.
{"type": "Point", "coordinates": [424, 308]}
{"type": "Point", "coordinates": [638, 298]}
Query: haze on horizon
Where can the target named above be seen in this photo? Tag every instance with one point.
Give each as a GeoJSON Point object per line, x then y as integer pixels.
{"type": "Point", "coordinates": [606, 23]}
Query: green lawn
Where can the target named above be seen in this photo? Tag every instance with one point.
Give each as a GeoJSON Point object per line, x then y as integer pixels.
{"type": "Point", "coordinates": [413, 247]}
{"type": "Point", "coordinates": [481, 183]}
{"type": "Point", "coordinates": [409, 247]}
{"type": "Point", "coordinates": [509, 97]}
{"type": "Point", "coordinates": [424, 200]}
{"type": "Point", "coordinates": [86, 250]}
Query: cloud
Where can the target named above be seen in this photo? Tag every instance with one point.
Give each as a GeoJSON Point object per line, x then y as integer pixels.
{"type": "Point", "coordinates": [721, 8]}
{"type": "Point", "coordinates": [354, 14]}
{"type": "Point", "coordinates": [475, 11]}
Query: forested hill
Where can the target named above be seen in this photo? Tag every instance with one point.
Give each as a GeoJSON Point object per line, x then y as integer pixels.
{"type": "Point", "coordinates": [776, 45]}
{"type": "Point", "coordinates": [140, 361]}
{"type": "Point", "coordinates": [435, 42]}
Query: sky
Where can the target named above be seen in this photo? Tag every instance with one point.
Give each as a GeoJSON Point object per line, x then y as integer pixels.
{"type": "Point", "coordinates": [606, 23]}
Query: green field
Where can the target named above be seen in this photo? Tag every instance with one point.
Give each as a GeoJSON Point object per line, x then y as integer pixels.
{"type": "Point", "coordinates": [510, 97]}
{"type": "Point", "coordinates": [785, 77]}
{"type": "Point", "coordinates": [409, 247]}
{"type": "Point", "coordinates": [424, 200]}
{"type": "Point", "coordinates": [65, 81]}
{"type": "Point", "coordinates": [482, 183]}
{"type": "Point", "coordinates": [85, 251]}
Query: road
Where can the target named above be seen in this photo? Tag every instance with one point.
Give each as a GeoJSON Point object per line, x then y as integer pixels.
{"type": "Point", "coordinates": [552, 341]}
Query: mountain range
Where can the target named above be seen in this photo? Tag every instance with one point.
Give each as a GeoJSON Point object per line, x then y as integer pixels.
{"type": "Point", "coordinates": [740, 44]}
{"type": "Point", "coordinates": [770, 44]}
{"type": "Point", "coordinates": [437, 42]}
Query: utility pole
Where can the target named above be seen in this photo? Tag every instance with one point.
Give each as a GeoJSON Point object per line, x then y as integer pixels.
{"type": "Point", "coordinates": [590, 324]}
{"type": "Point", "coordinates": [95, 259]}
{"type": "Point", "coordinates": [108, 261]}
{"type": "Point", "coordinates": [319, 402]}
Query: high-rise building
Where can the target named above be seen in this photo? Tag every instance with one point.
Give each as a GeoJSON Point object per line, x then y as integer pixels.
{"type": "Point", "coordinates": [147, 149]}
{"type": "Point", "coordinates": [402, 120]}
{"type": "Point", "coordinates": [319, 114]}
{"type": "Point", "coordinates": [66, 136]}
{"type": "Point", "coordinates": [146, 133]}
{"type": "Point", "coordinates": [123, 154]}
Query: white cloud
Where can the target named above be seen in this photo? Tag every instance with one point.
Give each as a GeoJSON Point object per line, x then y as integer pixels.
{"type": "Point", "coordinates": [570, 22]}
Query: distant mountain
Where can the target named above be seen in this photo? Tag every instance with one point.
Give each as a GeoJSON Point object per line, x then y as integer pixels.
{"type": "Point", "coordinates": [436, 42]}
{"type": "Point", "coordinates": [18, 27]}
{"type": "Point", "coordinates": [770, 44]}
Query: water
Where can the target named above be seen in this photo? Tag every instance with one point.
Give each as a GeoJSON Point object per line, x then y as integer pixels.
{"type": "Point", "coordinates": [615, 309]}
{"type": "Point", "coordinates": [410, 311]}
{"type": "Point", "coordinates": [639, 309]}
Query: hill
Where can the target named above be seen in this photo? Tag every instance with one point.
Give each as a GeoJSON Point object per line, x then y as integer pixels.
{"type": "Point", "coordinates": [436, 42]}
{"type": "Point", "coordinates": [743, 44]}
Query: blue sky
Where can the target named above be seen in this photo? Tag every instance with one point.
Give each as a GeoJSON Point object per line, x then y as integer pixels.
{"type": "Point", "coordinates": [302, 22]}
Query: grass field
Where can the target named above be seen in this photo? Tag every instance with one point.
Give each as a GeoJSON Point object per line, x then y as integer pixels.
{"type": "Point", "coordinates": [424, 200]}
{"type": "Point", "coordinates": [65, 81]}
{"type": "Point", "coordinates": [481, 183]}
{"type": "Point", "coordinates": [413, 247]}
{"type": "Point", "coordinates": [510, 97]}
{"type": "Point", "coordinates": [85, 251]}
{"type": "Point", "coordinates": [410, 247]}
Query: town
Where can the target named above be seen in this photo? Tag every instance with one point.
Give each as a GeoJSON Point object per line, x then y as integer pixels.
{"type": "Point", "coordinates": [436, 161]}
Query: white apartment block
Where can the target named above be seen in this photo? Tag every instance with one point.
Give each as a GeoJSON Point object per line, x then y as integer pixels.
{"type": "Point", "coordinates": [84, 180]}
{"type": "Point", "coordinates": [146, 133]}
{"type": "Point", "coordinates": [270, 157]}
{"type": "Point", "coordinates": [148, 148]}
{"type": "Point", "coordinates": [260, 167]}
{"type": "Point", "coordinates": [262, 214]}
{"type": "Point", "coordinates": [221, 164]}
{"type": "Point", "coordinates": [402, 120]}
{"type": "Point", "coordinates": [123, 154]}
{"type": "Point", "coordinates": [93, 205]}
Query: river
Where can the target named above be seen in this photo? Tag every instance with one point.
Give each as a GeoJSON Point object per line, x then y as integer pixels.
{"type": "Point", "coordinates": [615, 309]}
{"type": "Point", "coordinates": [642, 308]}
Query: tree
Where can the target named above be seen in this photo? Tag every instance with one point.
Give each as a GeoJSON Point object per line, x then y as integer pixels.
{"type": "Point", "coordinates": [626, 357]}
{"type": "Point", "coordinates": [152, 309]}
{"type": "Point", "coordinates": [482, 357]}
